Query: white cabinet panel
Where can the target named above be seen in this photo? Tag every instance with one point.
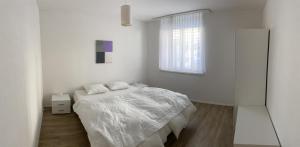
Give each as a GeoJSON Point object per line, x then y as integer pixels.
{"type": "Point", "coordinates": [251, 66]}
{"type": "Point", "coordinates": [254, 128]}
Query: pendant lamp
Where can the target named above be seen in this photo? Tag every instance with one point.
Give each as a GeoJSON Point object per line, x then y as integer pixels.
{"type": "Point", "coordinates": [125, 15]}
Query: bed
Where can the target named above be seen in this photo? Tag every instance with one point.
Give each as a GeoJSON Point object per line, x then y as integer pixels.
{"type": "Point", "coordinates": [134, 117]}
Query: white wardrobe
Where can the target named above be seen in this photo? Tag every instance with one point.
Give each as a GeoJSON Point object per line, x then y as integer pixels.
{"type": "Point", "coordinates": [251, 66]}
{"type": "Point", "coordinates": [251, 55]}
{"type": "Point", "coordinates": [253, 126]}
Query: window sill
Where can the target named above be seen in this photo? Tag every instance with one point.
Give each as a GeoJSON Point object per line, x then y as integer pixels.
{"type": "Point", "coordinates": [183, 73]}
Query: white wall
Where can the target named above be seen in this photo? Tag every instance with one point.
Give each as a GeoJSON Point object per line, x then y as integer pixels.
{"type": "Point", "coordinates": [20, 76]}
{"type": "Point", "coordinates": [217, 85]}
{"type": "Point", "coordinates": [283, 19]}
{"type": "Point", "coordinates": [68, 49]}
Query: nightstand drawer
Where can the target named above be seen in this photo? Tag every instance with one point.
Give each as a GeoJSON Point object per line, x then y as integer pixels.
{"type": "Point", "coordinates": [61, 110]}
{"type": "Point", "coordinates": [60, 103]}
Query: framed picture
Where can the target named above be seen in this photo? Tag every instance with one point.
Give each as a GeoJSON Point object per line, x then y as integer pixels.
{"type": "Point", "coordinates": [104, 51]}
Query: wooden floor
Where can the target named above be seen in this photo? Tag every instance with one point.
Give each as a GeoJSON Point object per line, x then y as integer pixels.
{"type": "Point", "coordinates": [210, 127]}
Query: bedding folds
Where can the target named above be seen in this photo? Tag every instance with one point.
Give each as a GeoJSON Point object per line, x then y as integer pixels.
{"type": "Point", "coordinates": [140, 117]}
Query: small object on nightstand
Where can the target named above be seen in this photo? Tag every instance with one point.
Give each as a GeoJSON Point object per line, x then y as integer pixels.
{"type": "Point", "coordinates": [61, 104]}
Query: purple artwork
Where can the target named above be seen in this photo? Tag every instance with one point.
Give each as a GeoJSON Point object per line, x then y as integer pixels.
{"type": "Point", "coordinates": [104, 46]}
{"type": "Point", "coordinates": [107, 45]}
{"type": "Point", "coordinates": [104, 51]}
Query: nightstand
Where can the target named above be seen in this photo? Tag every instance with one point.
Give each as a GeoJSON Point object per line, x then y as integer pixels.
{"type": "Point", "coordinates": [61, 104]}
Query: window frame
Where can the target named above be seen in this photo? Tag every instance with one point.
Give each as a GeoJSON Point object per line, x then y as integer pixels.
{"type": "Point", "coordinates": [182, 70]}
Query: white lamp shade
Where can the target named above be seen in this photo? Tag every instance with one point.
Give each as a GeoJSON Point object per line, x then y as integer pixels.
{"type": "Point", "coordinates": [125, 15]}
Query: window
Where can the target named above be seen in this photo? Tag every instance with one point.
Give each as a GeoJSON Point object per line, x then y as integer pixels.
{"type": "Point", "coordinates": [182, 44]}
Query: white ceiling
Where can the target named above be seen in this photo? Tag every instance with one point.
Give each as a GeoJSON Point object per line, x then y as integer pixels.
{"type": "Point", "coordinates": [147, 9]}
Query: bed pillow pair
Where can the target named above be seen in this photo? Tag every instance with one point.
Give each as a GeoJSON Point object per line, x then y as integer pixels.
{"type": "Point", "coordinates": [100, 88]}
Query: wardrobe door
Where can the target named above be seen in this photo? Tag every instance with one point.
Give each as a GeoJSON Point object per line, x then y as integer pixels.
{"type": "Point", "coordinates": [251, 66]}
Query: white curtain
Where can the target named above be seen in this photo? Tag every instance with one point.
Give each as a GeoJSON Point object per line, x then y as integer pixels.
{"type": "Point", "coordinates": [182, 44]}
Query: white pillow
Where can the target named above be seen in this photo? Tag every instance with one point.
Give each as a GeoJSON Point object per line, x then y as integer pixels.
{"type": "Point", "coordinates": [117, 85]}
{"type": "Point", "coordinates": [95, 88]}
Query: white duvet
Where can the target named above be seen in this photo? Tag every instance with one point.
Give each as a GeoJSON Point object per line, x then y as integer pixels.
{"type": "Point", "coordinates": [135, 118]}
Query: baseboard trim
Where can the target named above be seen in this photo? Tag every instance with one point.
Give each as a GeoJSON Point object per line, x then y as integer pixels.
{"type": "Point", "coordinates": [210, 102]}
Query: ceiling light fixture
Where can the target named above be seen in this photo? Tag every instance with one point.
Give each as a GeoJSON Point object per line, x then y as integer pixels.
{"type": "Point", "coordinates": [125, 15]}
